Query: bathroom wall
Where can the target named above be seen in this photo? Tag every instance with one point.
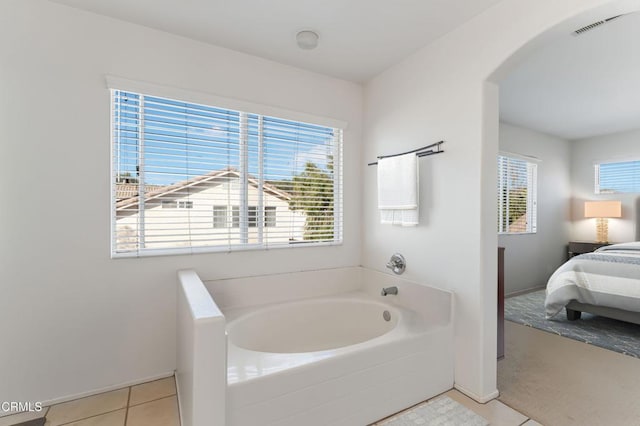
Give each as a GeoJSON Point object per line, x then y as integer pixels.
{"type": "Point", "coordinates": [72, 320]}
{"type": "Point", "coordinates": [530, 259]}
{"type": "Point", "coordinates": [585, 153]}
{"type": "Point", "coordinates": [441, 92]}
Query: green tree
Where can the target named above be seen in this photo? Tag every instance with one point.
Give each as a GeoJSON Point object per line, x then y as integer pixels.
{"type": "Point", "coordinates": [126, 177]}
{"type": "Point", "coordinates": [312, 193]}
{"type": "Point", "coordinates": [517, 204]}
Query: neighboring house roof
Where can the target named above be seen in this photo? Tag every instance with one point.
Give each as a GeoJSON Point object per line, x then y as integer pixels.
{"type": "Point", "coordinates": [129, 190]}
{"type": "Point", "coordinates": [197, 183]}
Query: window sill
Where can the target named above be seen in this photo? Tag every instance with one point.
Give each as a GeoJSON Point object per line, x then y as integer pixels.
{"type": "Point", "coordinates": [225, 249]}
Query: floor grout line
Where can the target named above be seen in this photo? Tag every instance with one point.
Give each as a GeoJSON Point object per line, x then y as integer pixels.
{"type": "Point", "coordinates": [517, 411]}
{"type": "Point", "coordinates": [126, 407]}
{"type": "Point", "coordinates": [126, 413]}
{"type": "Point", "coordinates": [154, 400]}
{"type": "Point", "coordinates": [90, 417]}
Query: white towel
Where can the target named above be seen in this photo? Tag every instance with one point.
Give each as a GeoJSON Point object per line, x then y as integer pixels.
{"type": "Point", "coordinates": [398, 190]}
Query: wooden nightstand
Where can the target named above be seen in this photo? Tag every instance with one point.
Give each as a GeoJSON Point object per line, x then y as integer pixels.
{"type": "Point", "coordinates": [580, 247]}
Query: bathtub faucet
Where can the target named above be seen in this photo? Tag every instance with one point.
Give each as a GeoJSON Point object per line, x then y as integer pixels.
{"type": "Point", "coordinates": [389, 290]}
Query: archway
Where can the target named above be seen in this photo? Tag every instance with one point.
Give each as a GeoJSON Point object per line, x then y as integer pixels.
{"type": "Point", "coordinates": [490, 110]}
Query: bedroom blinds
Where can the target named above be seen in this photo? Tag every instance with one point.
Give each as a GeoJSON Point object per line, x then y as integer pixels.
{"type": "Point", "coordinates": [190, 178]}
{"type": "Point", "coordinates": [517, 195]}
{"type": "Point", "coordinates": [616, 178]}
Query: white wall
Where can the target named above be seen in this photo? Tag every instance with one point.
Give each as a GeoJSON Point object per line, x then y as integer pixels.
{"type": "Point", "coordinates": [440, 92]}
{"type": "Point", "coordinates": [585, 153]}
{"type": "Point", "coordinates": [71, 319]}
{"type": "Point", "coordinates": [530, 259]}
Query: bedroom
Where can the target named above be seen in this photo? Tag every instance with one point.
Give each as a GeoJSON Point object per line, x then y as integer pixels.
{"type": "Point", "coordinates": [568, 108]}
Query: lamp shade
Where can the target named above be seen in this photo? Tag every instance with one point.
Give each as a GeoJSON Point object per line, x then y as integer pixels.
{"type": "Point", "coordinates": [602, 209]}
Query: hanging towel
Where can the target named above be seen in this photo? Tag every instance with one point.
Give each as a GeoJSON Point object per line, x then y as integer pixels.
{"type": "Point", "coordinates": [398, 190]}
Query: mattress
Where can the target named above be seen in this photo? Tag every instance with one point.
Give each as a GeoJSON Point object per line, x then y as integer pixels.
{"type": "Point", "coordinates": [608, 277]}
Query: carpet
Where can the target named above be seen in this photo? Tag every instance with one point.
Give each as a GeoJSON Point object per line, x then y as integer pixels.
{"type": "Point", "coordinates": [619, 336]}
{"type": "Point", "coordinates": [442, 411]}
{"type": "Point", "coordinates": [563, 382]}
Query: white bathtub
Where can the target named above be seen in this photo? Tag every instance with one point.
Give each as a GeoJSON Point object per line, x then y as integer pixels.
{"type": "Point", "coordinates": [318, 350]}
{"type": "Point", "coordinates": [310, 325]}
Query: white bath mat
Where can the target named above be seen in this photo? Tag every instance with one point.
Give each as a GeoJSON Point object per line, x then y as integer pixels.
{"type": "Point", "coordinates": [442, 411]}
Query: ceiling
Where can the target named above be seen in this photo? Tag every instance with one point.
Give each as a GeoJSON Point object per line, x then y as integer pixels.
{"type": "Point", "coordinates": [579, 86]}
{"type": "Point", "coordinates": [358, 38]}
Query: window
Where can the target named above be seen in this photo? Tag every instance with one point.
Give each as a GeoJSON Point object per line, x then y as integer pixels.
{"type": "Point", "coordinates": [618, 177]}
{"type": "Point", "coordinates": [172, 204]}
{"type": "Point", "coordinates": [235, 219]}
{"type": "Point", "coordinates": [517, 195]}
{"type": "Point", "coordinates": [253, 216]}
{"type": "Point", "coordinates": [267, 181]}
{"type": "Point", "coordinates": [270, 216]}
{"type": "Point", "coordinates": [219, 217]}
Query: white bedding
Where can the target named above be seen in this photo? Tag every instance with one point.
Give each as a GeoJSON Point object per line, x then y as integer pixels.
{"type": "Point", "coordinates": [608, 277]}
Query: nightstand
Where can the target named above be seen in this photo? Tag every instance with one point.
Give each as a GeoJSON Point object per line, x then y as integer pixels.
{"type": "Point", "coordinates": [580, 247]}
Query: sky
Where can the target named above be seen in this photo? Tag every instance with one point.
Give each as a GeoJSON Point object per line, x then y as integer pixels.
{"type": "Point", "coordinates": [182, 140]}
{"type": "Point", "coordinates": [619, 177]}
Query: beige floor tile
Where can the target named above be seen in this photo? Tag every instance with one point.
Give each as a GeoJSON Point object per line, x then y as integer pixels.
{"type": "Point", "coordinates": [494, 411]}
{"type": "Point", "coordinates": [87, 407]}
{"type": "Point", "coordinates": [163, 412]}
{"type": "Point", "coordinates": [531, 423]}
{"type": "Point", "coordinates": [115, 418]}
{"type": "Point", "coordinates": [21, 417]}
{"type": "Point", "coordinates": [153, 390]}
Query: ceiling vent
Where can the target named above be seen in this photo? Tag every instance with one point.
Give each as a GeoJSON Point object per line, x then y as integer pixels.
{"type": "Point", "coordinates": [594, 25]}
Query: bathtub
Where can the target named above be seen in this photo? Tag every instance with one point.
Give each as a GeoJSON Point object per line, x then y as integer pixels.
{"type": "Point", "coordinates": [315, 348]}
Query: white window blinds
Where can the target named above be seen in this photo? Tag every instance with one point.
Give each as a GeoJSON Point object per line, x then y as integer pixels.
{"type": "Point", "coordinates": [189, 177]}
{"type": "Point", "coordinates": [618, 177]}
{"type": "Point", "coordinates": [517, 195]}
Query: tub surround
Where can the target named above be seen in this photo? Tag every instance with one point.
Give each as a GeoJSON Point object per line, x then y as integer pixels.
{"type": "Point", "coordinates": [384, 370]}
{"type": "Point", "coordinates": [201, 354]}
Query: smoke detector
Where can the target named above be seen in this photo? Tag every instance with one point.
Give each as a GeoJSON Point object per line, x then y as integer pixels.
{"type": "Point", "coordinates": [307, 39]}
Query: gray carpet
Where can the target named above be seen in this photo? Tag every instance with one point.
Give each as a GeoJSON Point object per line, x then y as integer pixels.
{"type": "Point", "coordinates": [442, 411]}
{"type": "Point", "coordinates": [619, 336]}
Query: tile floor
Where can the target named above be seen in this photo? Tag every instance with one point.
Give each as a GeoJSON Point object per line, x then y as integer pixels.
{"type": "Point", "coordinates": [155, 404]}
{"type": "Point", "coordinates": [149, 404]}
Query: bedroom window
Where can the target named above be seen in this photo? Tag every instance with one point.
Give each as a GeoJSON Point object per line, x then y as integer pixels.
{"type": "Point", "coordinates": [267, 182]}
{"type": "Point", "coordinates": [617, 177]}
{"type": "Point", "coordinates": [517, 195]}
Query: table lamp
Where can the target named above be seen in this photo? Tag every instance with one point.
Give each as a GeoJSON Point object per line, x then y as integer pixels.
{"type": "Point", "coordinates": [602, 211]}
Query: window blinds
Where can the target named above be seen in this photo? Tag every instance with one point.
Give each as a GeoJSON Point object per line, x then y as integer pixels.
{"type": "Point", "coordinates": [619, 177]}
{"type": "Point", "coordinates": [190, 177]}
{"type": "Point", "coordinates": [517, 195]}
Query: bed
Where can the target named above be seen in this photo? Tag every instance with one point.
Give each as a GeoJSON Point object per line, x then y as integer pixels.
{"type": "Point", "coordinates": [605, 282]}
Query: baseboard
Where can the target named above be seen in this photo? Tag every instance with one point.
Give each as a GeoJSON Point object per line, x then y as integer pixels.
{"type": "Point", "coordinates": [54, 401]}
{"type": "Point", "coordinates": [477, 398]}
{"type": "Point", "coordinates": [525, 291]}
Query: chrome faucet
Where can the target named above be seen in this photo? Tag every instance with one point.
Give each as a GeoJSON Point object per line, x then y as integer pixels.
{"type": "Point", "coordinates": [397, 264]}
{"type": "Point", "coordinates": [389, 290]}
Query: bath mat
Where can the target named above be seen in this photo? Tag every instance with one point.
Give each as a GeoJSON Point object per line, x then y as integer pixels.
{"type": "Point", "coordinates": [619, 336]}
{"type": "Point", "coordinates": [442, 411]}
